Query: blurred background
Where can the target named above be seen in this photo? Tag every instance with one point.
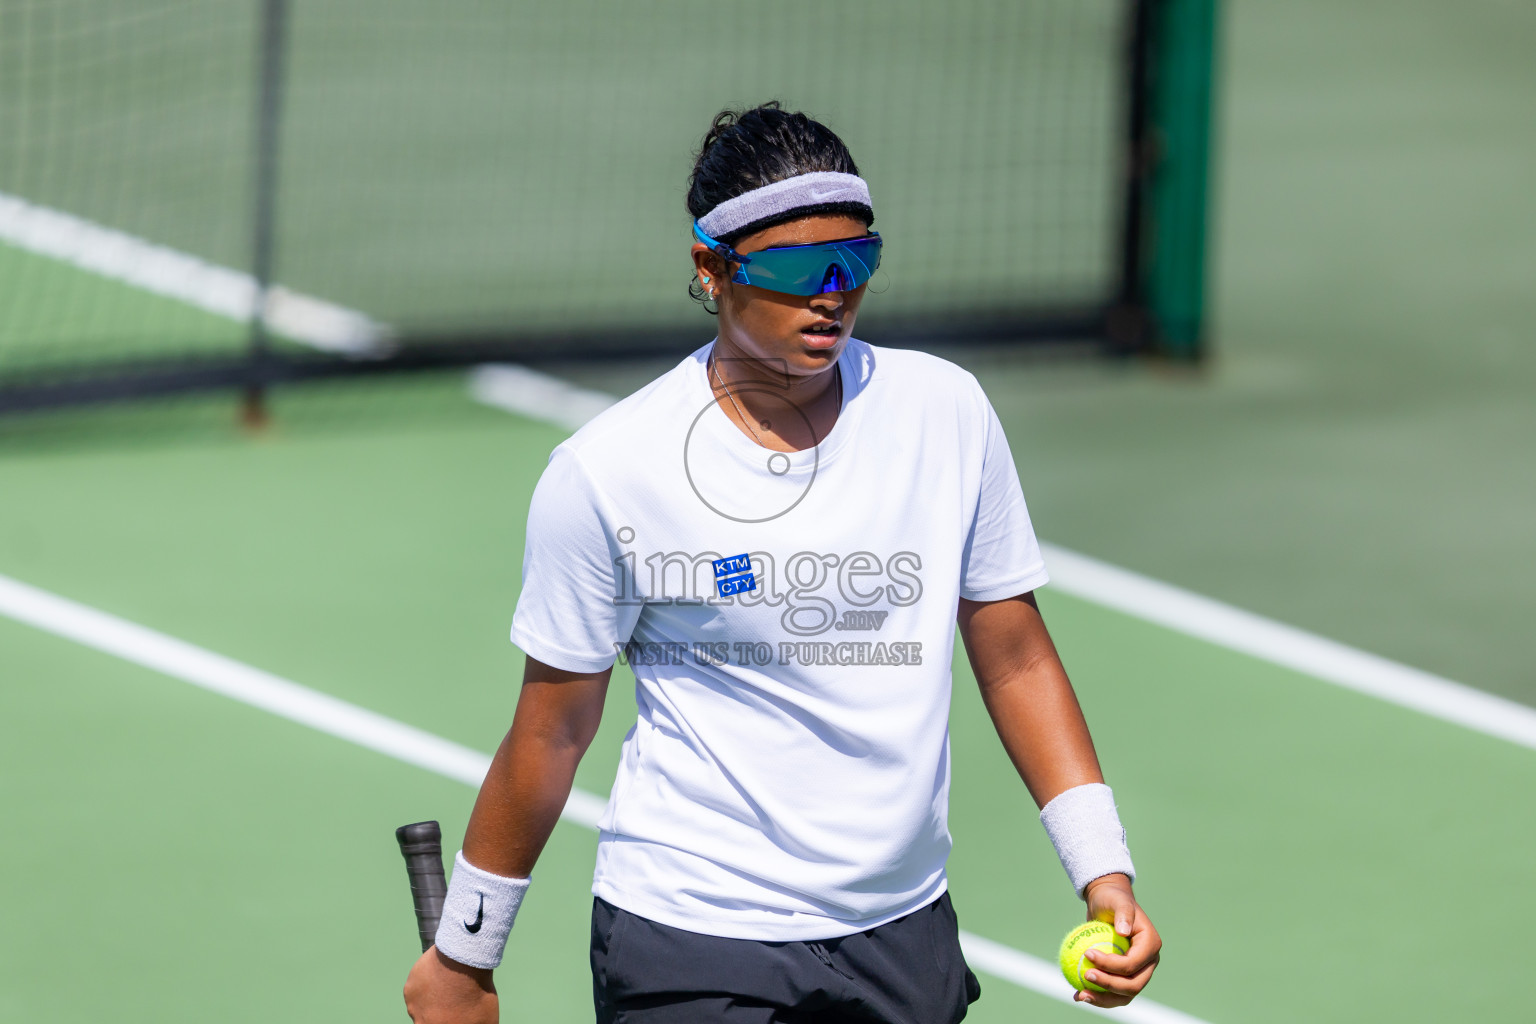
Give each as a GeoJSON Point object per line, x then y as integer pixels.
{"type": "Point", "coordinates": [1250, 286]}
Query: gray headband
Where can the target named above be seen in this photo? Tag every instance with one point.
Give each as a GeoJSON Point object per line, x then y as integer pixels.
{"type": "Point", "coordinates": [818, 188]}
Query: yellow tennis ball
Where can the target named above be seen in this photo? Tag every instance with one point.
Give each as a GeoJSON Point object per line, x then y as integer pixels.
{"type": "Point", "coordinates": [1075, 947]}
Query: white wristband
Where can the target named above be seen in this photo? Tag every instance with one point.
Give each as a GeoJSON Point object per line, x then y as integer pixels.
{"type": "Point", "coordinates": [1085, 829]}
{"type": "Point", "coordinates": [477, 914]}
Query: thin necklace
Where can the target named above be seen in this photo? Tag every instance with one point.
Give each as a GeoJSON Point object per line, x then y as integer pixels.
{"type": "Point", "coordinates": [744, 418]}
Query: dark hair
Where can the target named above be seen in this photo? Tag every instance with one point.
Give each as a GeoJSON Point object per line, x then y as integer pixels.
{"type": "Point", "coordinates": [747, 149]}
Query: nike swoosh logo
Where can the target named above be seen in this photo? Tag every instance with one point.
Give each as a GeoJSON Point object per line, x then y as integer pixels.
{"type": "Point", "coordinates": [479, 916]}
{"type": "Point", "coordinates": [824, 196]}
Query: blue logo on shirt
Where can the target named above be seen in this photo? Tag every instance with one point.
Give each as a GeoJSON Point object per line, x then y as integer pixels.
{"type": "Point", "coordinates": [733, 575]}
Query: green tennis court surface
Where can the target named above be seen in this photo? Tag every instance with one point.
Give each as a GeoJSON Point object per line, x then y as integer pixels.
{"type": "Point", "coordinates": [195, 852]}
{"type": "Point", "coordinates": [1358, 463]}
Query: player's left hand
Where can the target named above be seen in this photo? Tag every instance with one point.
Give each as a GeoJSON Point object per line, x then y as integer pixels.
{"type": "Point", "coordinates": [1111, 900]}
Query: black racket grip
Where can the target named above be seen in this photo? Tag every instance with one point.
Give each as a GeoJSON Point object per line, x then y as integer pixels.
{"type": "Point", "coordinates": [422, 846]}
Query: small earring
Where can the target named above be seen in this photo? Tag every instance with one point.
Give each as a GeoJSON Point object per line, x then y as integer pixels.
{"type": "Point", "coordinates": [706, 279]}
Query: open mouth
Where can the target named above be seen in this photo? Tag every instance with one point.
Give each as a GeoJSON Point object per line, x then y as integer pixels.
{"type": "Point", "coordinates": [822, 336]}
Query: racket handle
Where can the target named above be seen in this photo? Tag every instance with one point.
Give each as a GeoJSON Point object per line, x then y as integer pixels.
{"type": "Point", "coordinates": [422, 846]}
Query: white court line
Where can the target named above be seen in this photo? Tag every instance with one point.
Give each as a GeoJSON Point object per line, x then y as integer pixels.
{"type": "Point", "coordinates": [1180, 610]}
{"type": "Point", "coordinates": [1275, 642]}
{"type": "Point", "coordinates": [517, 389]}
{"type": "Point", "coordinates": [177, 275]}
{"type": "Point", "coordinates": [227, 677]}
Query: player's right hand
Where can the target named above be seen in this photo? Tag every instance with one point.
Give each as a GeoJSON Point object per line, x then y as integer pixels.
{"type": "Point", "coordinates": [443, 991]}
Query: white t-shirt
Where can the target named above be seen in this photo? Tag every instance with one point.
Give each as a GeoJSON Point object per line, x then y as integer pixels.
{"type": "Point", "coordinates": [788, 775]}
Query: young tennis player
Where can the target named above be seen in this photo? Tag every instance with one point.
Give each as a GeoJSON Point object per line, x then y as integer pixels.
{"type": "Point", "coordinates": [778, 536]}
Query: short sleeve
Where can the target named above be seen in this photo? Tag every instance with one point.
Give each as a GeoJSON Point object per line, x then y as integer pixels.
{"type": "Point", "coordinates": [570, 613]}
{"type": "Point", "coordinates": [1001, 557]}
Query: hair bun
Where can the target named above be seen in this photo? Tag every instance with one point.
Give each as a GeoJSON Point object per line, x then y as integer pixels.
{"type": "Point", "coordinates": [747, 149]}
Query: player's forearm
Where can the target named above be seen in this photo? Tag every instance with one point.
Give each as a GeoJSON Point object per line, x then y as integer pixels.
{"type": "Point", "coordinates": [1042, 728]}
{"type": "Point", "coordinates": [531, 775]}
{"type": "Point", "coordinates": [519, 803]}
{"type": "Point", "coordinates": [1028, 695]}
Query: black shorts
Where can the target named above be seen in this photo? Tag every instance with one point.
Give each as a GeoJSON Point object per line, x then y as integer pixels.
{"type": "Point", "coordinates": [909, 971]}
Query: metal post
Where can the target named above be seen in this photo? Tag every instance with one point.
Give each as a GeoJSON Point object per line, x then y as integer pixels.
{"type": "Point", "coordinates": [270, 60]}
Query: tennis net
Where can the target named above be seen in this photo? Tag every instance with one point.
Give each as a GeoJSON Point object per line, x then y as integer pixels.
{"type": "Point", "coordinates": [202, 193]}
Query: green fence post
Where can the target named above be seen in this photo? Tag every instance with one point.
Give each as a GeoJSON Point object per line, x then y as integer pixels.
{"type": "Point", "coordinates": [1180, 78]}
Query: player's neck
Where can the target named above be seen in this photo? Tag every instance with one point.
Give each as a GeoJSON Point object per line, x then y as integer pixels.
{"type": "Point", "coordinates": [788, 412]}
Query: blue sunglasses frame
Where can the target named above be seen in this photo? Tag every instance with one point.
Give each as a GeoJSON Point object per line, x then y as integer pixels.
{"type": "Point", "coordinates": [811, 269]}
